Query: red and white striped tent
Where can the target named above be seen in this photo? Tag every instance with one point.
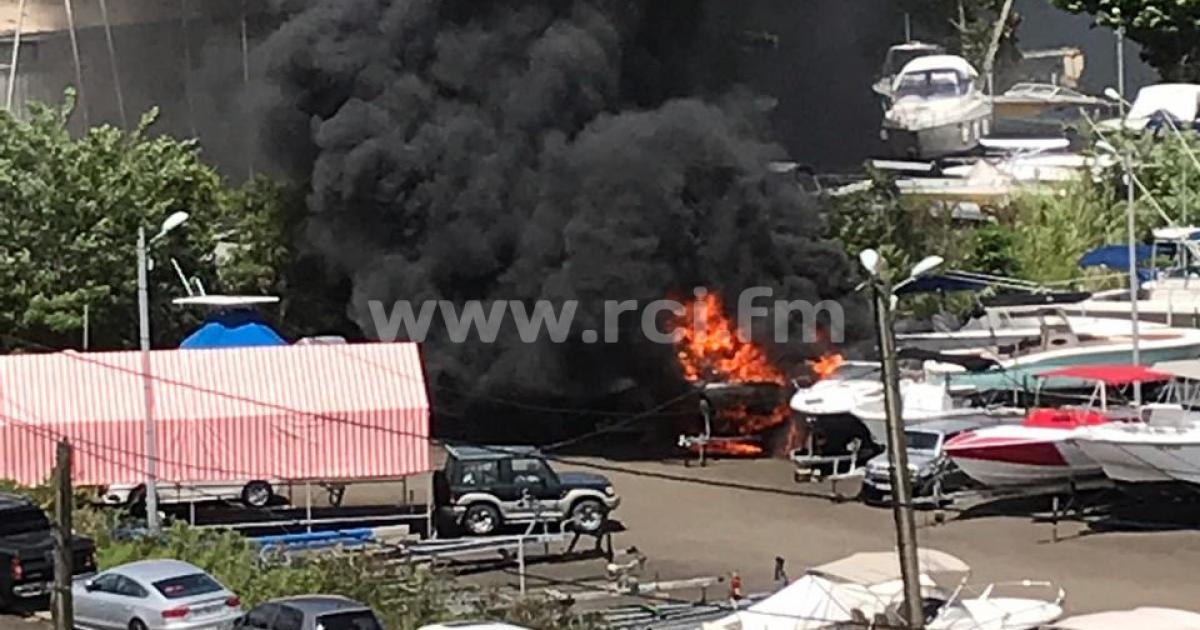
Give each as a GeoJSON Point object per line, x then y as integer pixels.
{"type": "Point", "coordinates": [354, 411]}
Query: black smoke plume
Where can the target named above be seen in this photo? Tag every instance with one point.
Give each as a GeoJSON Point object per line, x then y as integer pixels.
{"type": "Point", "coordinates": [553, 149]}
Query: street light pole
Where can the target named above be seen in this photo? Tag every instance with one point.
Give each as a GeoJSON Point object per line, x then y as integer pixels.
{"type": "Point", "coordinates": [147, 385]}
{"type": "Point", "coordinates": [1134, 281]}
{"type": "Point", "coordinates": [897, 448]}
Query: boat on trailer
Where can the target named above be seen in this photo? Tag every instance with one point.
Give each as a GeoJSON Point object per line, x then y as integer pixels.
{"type": "Point", "coordinates": [1040, 450]}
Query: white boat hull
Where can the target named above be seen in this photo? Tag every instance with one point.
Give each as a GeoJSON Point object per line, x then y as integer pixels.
{"type": "Point", "coordinates": [1018, 455]}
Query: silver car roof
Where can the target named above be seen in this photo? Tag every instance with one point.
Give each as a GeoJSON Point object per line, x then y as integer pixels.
{"type": "Point", "coordinates": [151, 571]}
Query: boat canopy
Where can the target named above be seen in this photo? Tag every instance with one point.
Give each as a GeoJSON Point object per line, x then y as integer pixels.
{"type": "Point", "coordinates": [1115, 256]}
{"type": "Point", "coordinates": [943, 283]}
{"type": "Point", "coordinates": [877, 567]}
{"type": "Point", "coordinates": [1112, 375]}
{"type": "Point", "coordinates": [1142, 617]}
{"type": "Point", "coordinates": [1180, 100]}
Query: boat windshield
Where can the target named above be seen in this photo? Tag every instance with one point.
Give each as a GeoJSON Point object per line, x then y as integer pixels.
{"type": "Point", "coordinates": [932, 84]}
{"type": "Point", "coordinates": [922, 440]}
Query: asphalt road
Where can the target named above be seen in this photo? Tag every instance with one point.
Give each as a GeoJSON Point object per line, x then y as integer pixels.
{"type": "Point", "coordinates": [692, 529]}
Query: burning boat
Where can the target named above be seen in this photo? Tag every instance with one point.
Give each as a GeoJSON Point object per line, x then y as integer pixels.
{"type": "Point", "coordinates": [938, 109]}
{"type": "Point", "coordinates": [745, 397]}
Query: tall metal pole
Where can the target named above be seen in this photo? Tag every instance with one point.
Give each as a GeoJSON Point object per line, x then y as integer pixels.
{"type": "Point", "coordinates": [112, 63]}
{"type": "Point", "coordinates": [78, 64]}
{"type": "Point", "coordinates": [1131, 225]}
{"type": "Point", "coordinates": [14, 61]}
{"type": "Point", "coordinates": [1121, 68]}
{"type": "Point", "coordinates": [897, 448]}
{"type": "Point", "coordinates": [147, 385]}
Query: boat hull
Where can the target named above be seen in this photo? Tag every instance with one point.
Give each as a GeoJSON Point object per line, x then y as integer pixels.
{"type": "Point", "coordinates": [1008, 462]}
{"type": "Point", "coordinates": [1020, 375]}
{"type": "Point", "coordinates": [937, 141]}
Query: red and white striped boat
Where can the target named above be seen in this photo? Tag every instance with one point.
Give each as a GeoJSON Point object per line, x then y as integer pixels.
{"type": "Point", "coordinates": [1037, 451]}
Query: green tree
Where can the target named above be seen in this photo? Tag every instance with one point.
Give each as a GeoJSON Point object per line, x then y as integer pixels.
{"type": "Point", "coordinates": [70, 209]}
{"type": "Point", "coordinates": [1168, 30]}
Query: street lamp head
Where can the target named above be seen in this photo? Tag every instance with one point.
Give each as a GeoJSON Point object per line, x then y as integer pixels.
{"type": "Point", "coordinates": [927, 264]}
{"type": "Point", "coordinates": [1106, 147]}
{"type": "Point", "coordinates": [1112, 94]}
{"type": "Point", "coordinates": [175, 220]}
{"type": "Point", "coordinates": [869, 259]}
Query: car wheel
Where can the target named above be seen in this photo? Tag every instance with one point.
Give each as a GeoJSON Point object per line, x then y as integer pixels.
{"type": "Point", "coordinates": [589, 515]}
{"type": "Point", "coordinates": [257, 494]}
{"type": "Point", "coordinates": [137, 624]}
{"type": "Point", "coordinates": [481, 519]}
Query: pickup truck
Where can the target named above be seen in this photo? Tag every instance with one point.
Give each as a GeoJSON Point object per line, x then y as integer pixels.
{"type": "Point", "coordinates": [483, 488]}
{"type": "Point", "coordinates": [27, 551]}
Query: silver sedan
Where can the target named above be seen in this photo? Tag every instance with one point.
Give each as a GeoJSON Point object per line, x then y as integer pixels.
{"type": "Point", "coordinates": [154, 595]}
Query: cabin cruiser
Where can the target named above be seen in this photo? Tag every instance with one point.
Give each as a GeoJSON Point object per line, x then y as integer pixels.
{"type": "Point", "coordinates": [1026, 100]}
{"type": "Point", "coordinates": [835, 439]}
{"type": "Point", "coordinates": [866, 588]}
{"type": "Point", "coordinates": [897, 57]}
{"type": "Point", "coordinates": [836, 394]}
{"type": "Point", "coordinates": [1040, 449]}
{"type": "Point", "coordinates": [1163, 454]}
{"type": "Point", "coordinates": [1060, 342]}
{"type": "Point", "coordinates": [937, 109]}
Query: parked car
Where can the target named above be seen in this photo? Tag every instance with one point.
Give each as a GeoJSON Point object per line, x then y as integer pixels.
{"type": "Point", "coordinates": [482, 488]}
{"type": "Point", "coordinates": [310, 612]}
{"type": "Point", "coordinates": [27, 551]}
{"type": "Point", "coordinates": [252, 492]}
{"type": "Point", "coordinates": [472, 625]}
{"type": "Point", "coordinates": [929, 468]}
{"type": "Point", "coordinates": [154, 595]}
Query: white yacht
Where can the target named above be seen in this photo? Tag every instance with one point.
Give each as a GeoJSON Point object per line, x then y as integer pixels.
{"type": "Point", "coordinates": [938, 109]}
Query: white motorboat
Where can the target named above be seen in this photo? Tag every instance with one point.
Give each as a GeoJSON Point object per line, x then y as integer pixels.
{"type": "Point", "coordinates": [1179, 101]}
{"type": "Point", "coordinates": [837, 393]}
{"type": "Point", "coordinates": [923, 402]}
{"type": "Point", "coordinates": [1162, 453]}
{"type": "Point", "coordinates": [866, 589]}
{"type": "Point", "coordinates": [1040, 449]}
{"type": "Point", "coordinates": [1060, 343]}
{"type": "Point", "coordinates": [1170, 296]}
{"type": "Point", "coordinates": [938, 109]}
{"type": "Point", "coordinates": [1141, 617]}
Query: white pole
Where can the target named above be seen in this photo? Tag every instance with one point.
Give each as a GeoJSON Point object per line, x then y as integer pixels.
{"type": "Point", "coordinates": [16, 57]}
{"type": "Point", "coordinates": [907, 27]}
{"type": "Point", "coordinates": [147, 385]}
{"type": "Point", "coordinates": [112, 62]}
{"type": "Point", "coordinates": [1131, 225]}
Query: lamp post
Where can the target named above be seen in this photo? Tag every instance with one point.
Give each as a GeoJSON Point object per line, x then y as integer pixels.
{"type": "Point", "coordinates": [171, 222]}
{"type": "Point", "coordinates": [897, 447]}
{"type": "Point", "coordinates": [1131, 233]}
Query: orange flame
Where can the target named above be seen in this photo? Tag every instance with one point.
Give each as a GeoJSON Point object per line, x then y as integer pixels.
{"type": "Point", "coordinates": [730, 448]}
{"type": "Point", "coordinates": [746, 422]}
{"type": "Point", "coordinates": [824, 366]}
{"type": "Point", "coordinates": [710, 349]}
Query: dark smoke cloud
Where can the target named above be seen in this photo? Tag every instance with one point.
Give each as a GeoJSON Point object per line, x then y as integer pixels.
{"type": "Point", "coordinates": [567, 149]}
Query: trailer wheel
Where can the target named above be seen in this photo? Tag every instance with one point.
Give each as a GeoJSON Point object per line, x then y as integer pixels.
{"type": "Point", "coordinates": [481, 519]}
{"type": "Point", "coordinates": [257, 494]}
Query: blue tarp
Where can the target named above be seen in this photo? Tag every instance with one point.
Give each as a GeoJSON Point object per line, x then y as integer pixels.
{"type": "Point", "coordinates": [1114, 256]}
{"type": "Point", "coordinates": [233, 329]}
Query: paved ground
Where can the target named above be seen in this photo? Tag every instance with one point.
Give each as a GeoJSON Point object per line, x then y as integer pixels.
{"type": "Point", "coordinates": [692, 529]}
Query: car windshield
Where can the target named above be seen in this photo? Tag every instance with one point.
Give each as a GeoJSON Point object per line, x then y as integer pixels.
{"type": "Point", "coordinates": [356, 620]}
{"type": "Point", "coordinates": [922, 440]}
{"type": "Point", "coordinates": [23, 520]}
{"type": "Point", "coordinates": [932, 84]}
{"type": "Point", "coordinates": [187, 586]}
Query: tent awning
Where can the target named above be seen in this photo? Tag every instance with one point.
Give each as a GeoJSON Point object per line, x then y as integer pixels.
{"type": "Point", "coordinates": [289, 412]}
{"type": "Point", "coordinates": [877, 567]}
